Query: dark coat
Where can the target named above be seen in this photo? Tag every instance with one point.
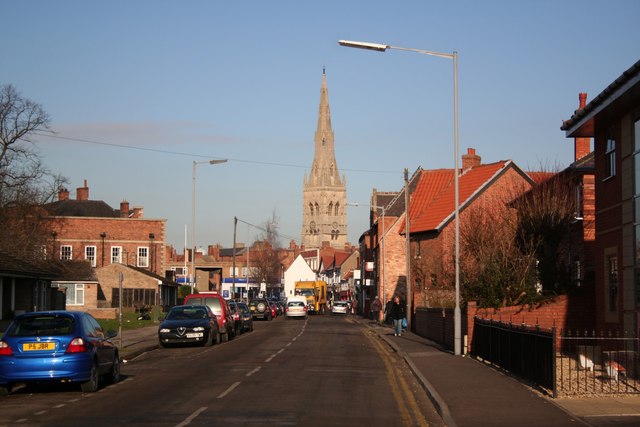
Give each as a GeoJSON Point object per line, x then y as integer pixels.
{"type": "Point", "coordinates": [398, 311]}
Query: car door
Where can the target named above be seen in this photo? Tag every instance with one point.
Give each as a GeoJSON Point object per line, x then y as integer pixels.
{"type": "Point", "coordinates": [104, 348]}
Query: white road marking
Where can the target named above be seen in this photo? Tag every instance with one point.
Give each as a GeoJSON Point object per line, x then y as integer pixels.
{"type": "Point", "coordinates": [229, 390]}
{"type": "Point", "coordinates": [191, 417]}
{"type": "Point", "coordinates": [253, 371]}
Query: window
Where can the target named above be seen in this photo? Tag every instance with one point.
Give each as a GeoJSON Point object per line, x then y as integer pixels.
{"type": "Point", "coordinates": [90, 255]}
{"type": "Point", "coordinates": [337, 212]}
{"type": "Point", "coordinates": [143, 256]}
{"type": "Point", "coordinates": [330, 208]}
{"type": "Point", "coordinates": [610, 155]}
{"type": "Point", "coordinates": [311, 208]}
{"type": "Point", "coordinates": [66, 252]}
{"type": "Point", "coordinates": [180, 271]}
{"type": "Point", "coordinates": [579, 197]}
{"type": "Point", "coordinates": [612, 279]}
{"type": "Point", "coordinates": [75, 293]}
{"type": "Point", "coordinates": [116, 254]}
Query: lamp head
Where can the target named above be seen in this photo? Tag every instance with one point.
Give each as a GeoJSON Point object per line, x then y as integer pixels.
{"type": "Point", "coordinates": [364, 45]}
{"type": "Point", "coordinates": [217, 162]}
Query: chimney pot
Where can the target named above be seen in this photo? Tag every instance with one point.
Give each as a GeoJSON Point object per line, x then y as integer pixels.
{"type": "Point", "coordinates": [581, 146]}
{"type": "Point", "coordinates": [471, 159]}
{"type": "Point", "coordinates": [82, 193]}
{"type": "Point", "coordinates": [63, 194]}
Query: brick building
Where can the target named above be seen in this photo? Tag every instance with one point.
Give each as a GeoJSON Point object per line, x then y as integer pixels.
{"type": "Point", "coordinates": [90, 230]}
{"type": "Point", "coordinates": [612, 119]}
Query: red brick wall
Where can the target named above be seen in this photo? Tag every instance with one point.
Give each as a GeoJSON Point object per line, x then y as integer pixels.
{"type": "Point", "coordinates": [128, 233]}
{"type": "Point", "coordinates": [564, 312]}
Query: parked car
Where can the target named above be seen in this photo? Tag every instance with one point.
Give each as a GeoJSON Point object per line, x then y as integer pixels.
{"type": "Point", "coordinates": [188, 324]}
{"type": "Point", "coordinates": [57, 347]}
{"type": "Point", "coordinates": [296, 308]}
{"type": "Point", "coordinates": [238, 320]}
{"type": "Point", "coordinates": [279, 306]}
{"type": "Point", "coordinates": [340, 307]}
{"type": "Point", "coordinates": [220, 307]}
{"type": "Point", "coordinates": [260, 309]}
{"type": "Point", "coordinates": [274, 309]}
{"type": "Point", "coordinates": [247, 318]}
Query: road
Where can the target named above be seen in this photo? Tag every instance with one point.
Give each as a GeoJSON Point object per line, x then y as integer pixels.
{"type": "Point", "coordinates": [316, 372]}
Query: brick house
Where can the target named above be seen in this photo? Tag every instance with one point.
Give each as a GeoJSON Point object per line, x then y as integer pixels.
{"type": "Point", "coordinates": [91, 231]}
{"type": "Point", "coordinates": [612, 119]}
{"type": "Point", "coordinates": [482, 187]}
{"type": "Point", "coordinates": [26, 287]}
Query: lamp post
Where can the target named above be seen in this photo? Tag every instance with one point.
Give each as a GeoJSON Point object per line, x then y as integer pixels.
{"type": "Point", "coordinates": [454, 57]}
{"type": "Point", "coordinates": [193, 216]}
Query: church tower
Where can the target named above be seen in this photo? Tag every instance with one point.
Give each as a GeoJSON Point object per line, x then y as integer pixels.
{"type": "Point", "coordinates": [324, 217]}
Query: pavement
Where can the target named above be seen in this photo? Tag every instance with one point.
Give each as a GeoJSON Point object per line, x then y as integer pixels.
{"type": "Point", "coordinates": [466, 392]}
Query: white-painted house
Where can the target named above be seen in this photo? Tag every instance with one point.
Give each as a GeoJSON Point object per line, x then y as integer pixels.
{"type": "Point", "coordinates": [297, 271]}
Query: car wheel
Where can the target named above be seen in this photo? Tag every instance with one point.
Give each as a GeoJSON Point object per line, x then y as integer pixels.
{"type": "Point", "coordinates": [214, 338]}
{"type": "Point", "coordinates": [114, 375]}
{"type": "Point", "coordinates": [205, 339]}
{"type": "Point", "coordinates": [224, 337]}
{"type": "Point", "coordinates": [91, 386]}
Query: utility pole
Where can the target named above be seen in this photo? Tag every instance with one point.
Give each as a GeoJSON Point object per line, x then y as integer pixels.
{"type": "Point", "coordinates": [407, 230]}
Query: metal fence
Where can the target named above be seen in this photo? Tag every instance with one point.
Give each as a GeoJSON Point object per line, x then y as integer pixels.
{"type": "Point", "coordinates": [522, 350]}
{"type": "Point", "coordinates": [591, 363]}
{"type": "Point", "coordinates": [569, 363]}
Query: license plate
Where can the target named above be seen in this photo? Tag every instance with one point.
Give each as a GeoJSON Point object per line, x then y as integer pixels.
{"type": "Point", "coordinates": [35, 346]}
{"type": "Point", "coordinates": [195, 335]}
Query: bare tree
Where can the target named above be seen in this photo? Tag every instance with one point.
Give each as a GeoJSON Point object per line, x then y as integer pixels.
{"type": "Point", "coordinates": [266, 264]}
{"type": "Point", "coordinates": [495, 270]}
{"type": "Point", "coordinates": [544, 218]}
{"type": "Point", "coordinates": [24, 181]}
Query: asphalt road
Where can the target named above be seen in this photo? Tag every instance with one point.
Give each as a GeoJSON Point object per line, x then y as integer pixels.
{"type": "Point", "coordinates": [322, 371]}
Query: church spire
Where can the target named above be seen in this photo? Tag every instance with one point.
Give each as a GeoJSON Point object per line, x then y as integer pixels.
{"type": "Point", "coordinates": [324, 218]}
{"type": "Point", "coordinates": [324, 170]}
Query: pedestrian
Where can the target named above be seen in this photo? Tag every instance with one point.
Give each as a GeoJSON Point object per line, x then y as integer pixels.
{"type": "Point", "coordinates": [376, 306]}
{"type": "Point", "coordinates": [398, 313]}
{"type": "Point", "coordinates": [387, 312]}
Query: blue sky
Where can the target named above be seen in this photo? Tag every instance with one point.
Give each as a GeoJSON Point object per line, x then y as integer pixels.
{"type": "Point", "coordinates": [151, 86]}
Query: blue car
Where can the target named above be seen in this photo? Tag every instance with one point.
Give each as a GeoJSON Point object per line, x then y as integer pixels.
{"type": "Point", "coordinates": [57, 347]}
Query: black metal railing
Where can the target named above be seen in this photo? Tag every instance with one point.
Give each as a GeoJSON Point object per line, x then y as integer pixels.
{"type": "Point", "coordinates": [604, 363]}
{"type": "Point", "coordinates": [527, 352]}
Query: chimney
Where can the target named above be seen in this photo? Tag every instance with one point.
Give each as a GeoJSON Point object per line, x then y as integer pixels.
{"type": "Point", "coordinates": [63, 194]}
{"type": "Point", "coordinates": [124, 209]}
{"type": "Point", "coordinates": [581, 146]}
{"type": "Point", "coordinates": [471, 159]}
{"type": "Point", "coordinates": [138, 212]}
{"type": "Point", "coordinates": [82, 193]}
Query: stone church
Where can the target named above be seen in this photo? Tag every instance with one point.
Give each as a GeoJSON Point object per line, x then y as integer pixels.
{"type": "Point", "coordinates": [324, 217]}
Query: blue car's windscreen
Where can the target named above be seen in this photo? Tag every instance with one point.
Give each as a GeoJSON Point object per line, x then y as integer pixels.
{"type": "Point", "coordinates": [42, 326]}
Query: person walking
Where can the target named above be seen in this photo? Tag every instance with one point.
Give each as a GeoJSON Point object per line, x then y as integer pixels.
{"type": "Point", "coordinates": [387, 312]}
{"type": "Point", "coordinates": [376, 306]}
{"type": "Point", "coordinates": [397, 314]}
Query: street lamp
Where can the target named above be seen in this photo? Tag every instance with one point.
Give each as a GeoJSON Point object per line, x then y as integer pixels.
{"type": "Point", "coordinates": [453, 56]}
{"type": "Point", "coordinates": [193, 216]}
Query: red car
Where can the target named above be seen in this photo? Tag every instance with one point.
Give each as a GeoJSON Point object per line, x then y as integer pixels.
{"type": "Point", "coordinates": [274, 309]}
{"type": "Point", "coordinates": [220, 307]}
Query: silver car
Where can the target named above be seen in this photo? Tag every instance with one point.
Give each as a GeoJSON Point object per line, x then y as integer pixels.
{"type": "Point", "coordinates": [295, 309]}
{"type": "Point", "coordinates": [340, 307]}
